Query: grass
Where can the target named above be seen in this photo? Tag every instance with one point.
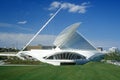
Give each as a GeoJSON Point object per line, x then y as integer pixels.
{"type": "Point", "coordinates": [89, 71]}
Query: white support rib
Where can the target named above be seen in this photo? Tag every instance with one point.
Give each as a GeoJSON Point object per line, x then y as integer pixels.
{"type": "Point", "coordinates": [41, 28]}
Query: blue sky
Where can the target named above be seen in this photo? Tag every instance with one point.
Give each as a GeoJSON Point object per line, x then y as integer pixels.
{"type": "Point", "coordinates": [20, 18]}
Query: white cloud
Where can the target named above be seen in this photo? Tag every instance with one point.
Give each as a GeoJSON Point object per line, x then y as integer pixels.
{"type": "Point", "coordinates": [5, 25]}
{"type": "Point", "coordinates": [70, 7]}
{"type": "Point", "coordinates": [19, 40]}
{"type": "Point", "coordinates": [13, 26]}
{"type": "Point", "coordinates": [51, 14]}
{"type": "Point", "coordinates": [85, 3]}
{"type": "Point", "coordinates": [54, 5]}
{"type": "Point", "coordinates": [22, 22]}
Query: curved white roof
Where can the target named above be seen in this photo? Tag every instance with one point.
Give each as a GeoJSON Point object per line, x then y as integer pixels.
{"type": "Point", "coordinates": [72, 47]}
{"type": "Point", "coordinates": [69, 38]}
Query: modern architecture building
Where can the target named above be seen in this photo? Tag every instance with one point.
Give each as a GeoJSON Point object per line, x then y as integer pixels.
{"type": "Point", "coordinates": [71, 48]}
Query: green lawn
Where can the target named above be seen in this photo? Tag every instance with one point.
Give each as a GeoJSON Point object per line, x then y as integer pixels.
{"type": "Point", "coordinates": [89, 71]}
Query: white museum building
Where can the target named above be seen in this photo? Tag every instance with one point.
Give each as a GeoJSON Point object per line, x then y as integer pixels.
{"type": "Point", "coordinates": [71, 48]}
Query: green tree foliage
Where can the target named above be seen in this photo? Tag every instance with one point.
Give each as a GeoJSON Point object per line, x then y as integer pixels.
{"type": "Point", "coordinates": [112, 56]}
{"type": "Point", "coordinates": [8, 50]}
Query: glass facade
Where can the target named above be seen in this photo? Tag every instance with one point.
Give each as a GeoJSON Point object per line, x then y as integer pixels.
{"type": "Point", "coordinates": [71, 39]}
{"type": "Point", "coordinates": [76, 41]}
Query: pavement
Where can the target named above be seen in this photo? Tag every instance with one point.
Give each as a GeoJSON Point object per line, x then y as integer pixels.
{"type": "Point", "coordinates": [8, 53]}
{"type": "Point", "coordinates": [2, 63]}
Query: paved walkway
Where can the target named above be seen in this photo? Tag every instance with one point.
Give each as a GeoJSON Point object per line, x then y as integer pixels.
{"type": "Point", "coordinates": [113, 62]}
{"type": "Point", "coordinates": [8, 54]}
{"type": "Point", "coordinates": [2, 63]}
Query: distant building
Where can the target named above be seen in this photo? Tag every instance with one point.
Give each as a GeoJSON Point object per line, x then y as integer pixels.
{"type": "Point", "coordinates": [48, 47]}
{"type": "Point", "coordinates": [99, 48]}
{"type": "Point", "coordinates": [33, 47]}
{"type": "Point", "coordinates": [113, 49]}
{"type": "Point", "coordinates": [39, 47]}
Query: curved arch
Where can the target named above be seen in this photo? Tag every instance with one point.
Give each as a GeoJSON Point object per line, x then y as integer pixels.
{"type": "Point", "coordinates": [66, 56]}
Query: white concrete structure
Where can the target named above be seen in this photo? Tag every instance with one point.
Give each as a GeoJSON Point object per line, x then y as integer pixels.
{"type": "Point", "coordinates": [113, 49]}
{"type": "Point", "coordinates": [71, 47]}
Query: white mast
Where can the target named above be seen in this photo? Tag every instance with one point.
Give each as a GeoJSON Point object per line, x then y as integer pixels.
{"type": "Point", "coordinates": [41, 29]}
